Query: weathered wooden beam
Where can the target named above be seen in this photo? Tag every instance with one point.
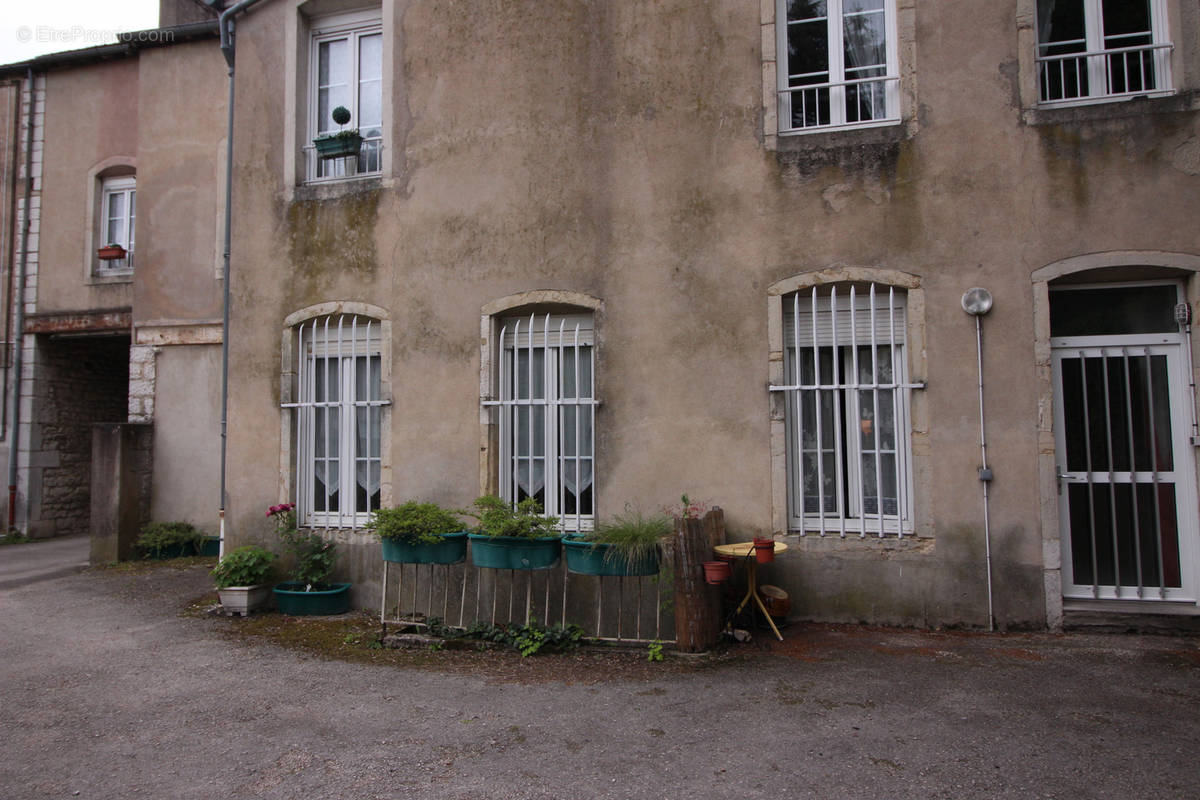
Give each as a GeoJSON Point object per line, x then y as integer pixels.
{"type": "Point", "coordinates": [697, 604]}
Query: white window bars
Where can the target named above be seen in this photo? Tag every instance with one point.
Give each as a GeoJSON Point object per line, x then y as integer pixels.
{"type": "Point", "coordinates": [847, 411]}
{"type": "Point", "coordinates": [547, 411]}
{"type": "Point", "coordinates": [1103, 73]}
{"type": "Point", "coordinates": [339, 418]}
{"type": "Point", "coordinates": [368, 162]}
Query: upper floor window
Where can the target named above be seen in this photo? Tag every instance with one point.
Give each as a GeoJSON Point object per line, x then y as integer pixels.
{"type": "Point", "coordinates": [547, 410]}
{"type": "Point", "coordinates": [1101, 49]}
{"type": "Point", "coordinates": [846, 410]}
{"type": "Point", "coordinates": [837, 62]}
{"type": "Point", "coordinates": [118, 213]}
{"type": "Point", "coordinates": [346, 64]}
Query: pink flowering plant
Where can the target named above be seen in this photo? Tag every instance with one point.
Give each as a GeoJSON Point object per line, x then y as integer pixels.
{"type": "Point", "coordinates": [686, 508]}
{"type": "Point", "coordinates": [313, 556]}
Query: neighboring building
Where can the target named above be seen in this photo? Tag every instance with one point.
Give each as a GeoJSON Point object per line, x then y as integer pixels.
{"type": "Point", "coordinates": [127, 145]}
{"type": "Point", "coordinates": [606, 253]}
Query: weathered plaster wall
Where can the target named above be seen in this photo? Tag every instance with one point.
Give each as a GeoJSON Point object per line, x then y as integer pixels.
{"type": "Point", "coordinates": [187, 444]}
{"type": "Point", "coordinates": [91, 117]}
{"type": "Point", "coordinates": [616, 150]}
{"type": "Point", "coordinates": [180, 183]}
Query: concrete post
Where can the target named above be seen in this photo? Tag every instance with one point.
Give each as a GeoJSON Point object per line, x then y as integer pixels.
{"type": "Point", "coordinates": [120, 488]}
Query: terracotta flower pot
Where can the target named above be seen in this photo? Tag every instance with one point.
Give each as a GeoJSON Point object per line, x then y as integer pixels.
{"type": "Point", "coordinates": [111, 252]}
{"type": "Point", "coordinates": [716, 572]}
{"type": "Point", "coordinates": [764, 550]}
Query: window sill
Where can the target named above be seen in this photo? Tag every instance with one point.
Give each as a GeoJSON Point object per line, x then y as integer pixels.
{"type": "Point", "coordinates": [851, 150]}
{"type": "Point", "coordinates": [101, 278]}
{"type": "Point", "coordinates": [1086, 111]}
{"type": "Point", "coordinates": [339, 187]}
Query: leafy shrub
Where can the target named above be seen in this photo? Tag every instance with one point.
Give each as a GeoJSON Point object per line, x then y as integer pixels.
{"type": "Point", "coordinates": [245, 566]}
{"type": "Point", "coordinates": [313, 557]}
{"type": "Point", "coordinates": [497, 517]}
{"type": "Point", "coordinates": [414, 523]}
{"type": "Point", "coordinates": [159, 536]}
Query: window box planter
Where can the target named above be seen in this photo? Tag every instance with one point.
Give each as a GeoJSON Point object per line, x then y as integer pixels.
{"type": "Point", "coordinates": [596, 558]}
{"type": "Point", "coordinates": [338, 145]}
{"type": "Point", "coordinates": [510, 552]}
{"type": "Point", "coordinates": [111, 252]}
{"type": "Point", "coordinates": [452, 549]}
{"type": "Point", "coordinates": [244, 599]}
{"type": "Point", "coordinates": [334, 598]}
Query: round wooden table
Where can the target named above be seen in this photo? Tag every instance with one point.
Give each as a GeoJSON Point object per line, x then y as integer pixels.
{"type": "Point", "coordinates": [745, 552]}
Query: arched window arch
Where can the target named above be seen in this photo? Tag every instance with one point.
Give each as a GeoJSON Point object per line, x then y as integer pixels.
{"type": "Point", "coordinates": [336, 400]}
{"type": "Point", "coordinates": [539, 354]}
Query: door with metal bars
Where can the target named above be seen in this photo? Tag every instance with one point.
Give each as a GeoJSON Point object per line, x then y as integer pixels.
{"type": "Point", "coordinates": [1123, 418]}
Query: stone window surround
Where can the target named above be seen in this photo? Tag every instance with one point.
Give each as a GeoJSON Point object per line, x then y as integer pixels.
{"type": "Point", "coordinates": [1159, 264]}
{"type": "Point", "coordinates": [917, 372]}
{"type": "Point", "coordinates": [906, 35]}
{"type": "Point", "coordinates": [297, 49]}
{"type": "Point", "coordinates": [1182, 26]}
{"type": "Point", "coordinates": [289, 392]}
{"type": "Point", "coordinates": [112, 167]}
{"type": "Point", "coordinates": [554, 300]}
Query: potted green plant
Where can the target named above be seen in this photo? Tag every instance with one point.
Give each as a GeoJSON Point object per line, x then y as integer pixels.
{"type": "Point", "coordinates": [341, 144]}
{"type": "Point", "coordinates": [111, 252]}
{"type": "Point", "coordinates": [626, 544]}
{"type": "Point", "coordinates": [175, 540]}
{"type": "Point", "coordinates": [419, 533]}
{"type": "Point", "coordinates": [241, 578]}
{"type": "Point", "coordinates": [513, 538]}
{"type": "Point", "coordinates": [307, 592]}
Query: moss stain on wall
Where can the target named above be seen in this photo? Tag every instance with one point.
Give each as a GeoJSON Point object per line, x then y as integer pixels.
{"type": "Point", "coordinates": [329, 238]}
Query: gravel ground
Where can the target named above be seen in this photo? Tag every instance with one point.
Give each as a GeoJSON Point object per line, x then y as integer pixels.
{"type": "Point", "coordinates": [113, 686]}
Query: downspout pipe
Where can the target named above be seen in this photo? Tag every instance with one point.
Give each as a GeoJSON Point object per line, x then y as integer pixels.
{"type": "Point", "coordinates": [226, 25]}
{"type": "Point", "coordinates": [977, 302]}
{"type": "Point", "coordinates": [14, 441]}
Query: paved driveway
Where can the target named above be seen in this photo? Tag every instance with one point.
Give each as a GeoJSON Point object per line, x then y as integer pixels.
{"type": "Point", "coordinates": [108, 693]}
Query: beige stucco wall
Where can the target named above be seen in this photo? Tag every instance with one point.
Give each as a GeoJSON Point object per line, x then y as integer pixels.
{"type": "Point", "coordinates": [617, 150]}
{"type": "Point", "coordinates": [91, 122]}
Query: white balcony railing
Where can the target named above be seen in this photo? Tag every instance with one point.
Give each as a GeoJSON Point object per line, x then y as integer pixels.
{"type": "Point", "coordinates": [1100, 74]}
{"type": "Point", "coordinates": [856, 102]}
{"type": "Point", "coordinates": [368, 162]}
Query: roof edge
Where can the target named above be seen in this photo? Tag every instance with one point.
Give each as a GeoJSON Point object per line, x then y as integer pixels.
{"type": "Point", "coordinates": [128, 44]}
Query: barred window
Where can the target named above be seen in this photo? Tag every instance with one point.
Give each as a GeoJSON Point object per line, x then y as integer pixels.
{"type": "Point", "coordinates": [338, 436]}
{"type": "Point", "coordinates": [546, 406]}
{"type": "Point", "coordinates": [849, 458]}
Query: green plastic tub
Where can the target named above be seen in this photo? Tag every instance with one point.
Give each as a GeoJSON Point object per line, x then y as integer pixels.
{"type": "Point", "coordinates": [290, 598]}
{"type": "Point", "coordinates": [452, 549]}
{"type": "Point", "coordinates": [592, 558]}
{"type": "Point", "coordinates": [506, 552]}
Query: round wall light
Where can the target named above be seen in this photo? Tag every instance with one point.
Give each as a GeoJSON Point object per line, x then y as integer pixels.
{"type": "Point", "coordinates": [977, 301]}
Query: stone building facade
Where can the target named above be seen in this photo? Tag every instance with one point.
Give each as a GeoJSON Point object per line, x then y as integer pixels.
{"type": "Point", "coordinates": [609, 253]}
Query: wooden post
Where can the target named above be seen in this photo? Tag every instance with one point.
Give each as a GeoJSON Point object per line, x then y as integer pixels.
{"type": "Point", "coordinates": [697, 604]}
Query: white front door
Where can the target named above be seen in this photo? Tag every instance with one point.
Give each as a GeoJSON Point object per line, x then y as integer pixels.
{"type": "Point", "coordinates": [1126, 466]}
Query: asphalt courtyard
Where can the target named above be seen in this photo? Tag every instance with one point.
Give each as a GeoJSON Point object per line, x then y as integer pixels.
{"type": "Point", "coordinates": [108, 691]}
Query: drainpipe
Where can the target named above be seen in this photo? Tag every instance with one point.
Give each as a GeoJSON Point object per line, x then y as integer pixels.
{"type": "Point", "coordinates": [977, 302]}
{"type": "Point", "coordinates": [10, 236]}
{"type": "Point", "coordinates": [225, 23]}
{"type": "Point", "coordinates": [19, 325]}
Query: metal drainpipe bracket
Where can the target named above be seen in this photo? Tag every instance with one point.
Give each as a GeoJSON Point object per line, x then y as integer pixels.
{"type": "Point", "coordinates": [985, 473]}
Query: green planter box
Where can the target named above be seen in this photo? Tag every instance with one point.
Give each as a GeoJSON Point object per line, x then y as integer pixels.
{"type": "Point", "coordinates": [452, 549]}
{"type": "Point", "coordinates": [290, 598]}
{"type": "Point", "coordinates": [211, 546]}
{"type": "Point", "coordinates": [592, 558]}
{"type": "Point", "coordinates": [504, 552]}
{"type": "Point", "coordinates": [337, 146]}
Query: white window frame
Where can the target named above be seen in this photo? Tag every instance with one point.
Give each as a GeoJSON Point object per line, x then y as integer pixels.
{"type": "Point", "coordinates": [837, 84]}
{"type": "Point", "coordinates": [347, 338]}
{"type": "Point", "coordinates": [846, 319]}
{"type": "Point", "coordinates": [560, 338]}
{"type": "Point", "coordinates": [1097, 59]}
{"type": "Point", "coordinates": [353, 28]}
{"type": "Point", "coordinates": [124, 186]}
